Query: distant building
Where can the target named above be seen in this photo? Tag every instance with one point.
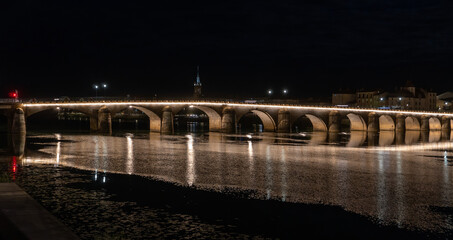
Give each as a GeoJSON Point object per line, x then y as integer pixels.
{"type": "Point", "coordinates": [408, 97]}
{"type": "Point", "coordinates": [197, 85]}
{"type": "Point", "coordinates": [344, 98]}
{"type": "Point", "coordinates": [368, 99]}
{"type": "Point", "coordinates": [445, 101]}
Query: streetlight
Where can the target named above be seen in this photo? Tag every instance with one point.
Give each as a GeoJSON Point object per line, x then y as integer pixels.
{"type": "Point", "coordinates": [285, 91]}
{"type": "Point", "coordinates": [96, 89]}
{"type": "Point", "coordinates": [269, 91]}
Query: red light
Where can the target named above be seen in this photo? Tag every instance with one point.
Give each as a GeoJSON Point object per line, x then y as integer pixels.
{"type": "Point", "coordinates": [14, 167]}
{"type": "Point", "coordinates": [13, 94]}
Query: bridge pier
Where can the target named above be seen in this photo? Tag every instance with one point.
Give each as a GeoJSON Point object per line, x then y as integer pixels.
{"type": "Point", "coordinates": [16, 122]}
{"type": "Point", "coordinates": [425, 123]}
{"type": "Point", "coordinates": [104, 121]}
{"type": "Point", "coordinates": [400, 123]}
{"type": "Point", "coordinates": [228, 120]}
{"type": "Point", "coordinates": [16, 143]}
{"type": "Point", "coordinates": [334, 121]}
{"type": "Point", "coordinates": [155, 125]}
{"type": "Point", "coordinates": [94, 123]}
{"type": "Point", "coordinates": [284, 125]}
{"type": "Point", "coordinates": [373, 122]}
{"type": "Point", "coordinates": [167, 121]}
{"type": "Point", "coordinates": [446, 124]}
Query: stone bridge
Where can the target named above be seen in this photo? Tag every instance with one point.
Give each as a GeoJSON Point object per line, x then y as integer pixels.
{"type": "Point", "coordinates": [224, 116]}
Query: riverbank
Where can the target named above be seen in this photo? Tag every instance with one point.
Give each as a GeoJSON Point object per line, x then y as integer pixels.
{"type": "Point", "coordinates": [21, 217]}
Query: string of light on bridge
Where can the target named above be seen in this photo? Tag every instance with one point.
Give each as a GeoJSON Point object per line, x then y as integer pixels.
{"type": "Point", "coordinates": [235, 105]}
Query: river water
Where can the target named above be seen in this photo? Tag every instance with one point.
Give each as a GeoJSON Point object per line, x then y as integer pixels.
{"type": "Point", "coordinates": [144, 185]}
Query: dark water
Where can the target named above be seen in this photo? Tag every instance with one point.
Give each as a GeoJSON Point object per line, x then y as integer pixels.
{"type": "Point", "coordinates": [241, 186]}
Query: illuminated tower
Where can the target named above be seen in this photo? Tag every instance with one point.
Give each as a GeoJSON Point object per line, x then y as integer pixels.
{"type": "Point", "coordinates": [197, 85]}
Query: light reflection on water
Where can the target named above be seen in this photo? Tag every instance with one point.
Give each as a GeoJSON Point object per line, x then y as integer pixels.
{"type": "Point", "coordinates": [384, 178]}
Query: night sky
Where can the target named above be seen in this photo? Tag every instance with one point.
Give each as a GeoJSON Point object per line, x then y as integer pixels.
{"type": "Point", "coordinates": [243, 48]}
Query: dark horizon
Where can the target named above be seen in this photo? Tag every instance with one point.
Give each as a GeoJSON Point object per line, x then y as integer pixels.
{"type": "Point", "coordinates": [311, 48]}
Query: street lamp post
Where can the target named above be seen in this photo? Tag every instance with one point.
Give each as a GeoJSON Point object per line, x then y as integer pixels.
{"type": "Point", "coordinates": [96, 89]}
{"type": "Point", "coordinates": [104, 86]}
{"type": "Point", "coordinates": [269, 94]}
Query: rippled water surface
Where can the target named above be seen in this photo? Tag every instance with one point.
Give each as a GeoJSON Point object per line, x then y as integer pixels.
{"type": "Point", "coordinates": [401, 182]}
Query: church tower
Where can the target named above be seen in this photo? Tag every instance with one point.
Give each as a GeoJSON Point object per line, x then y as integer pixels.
{"type": "Point", "coordinates": [197, 85]}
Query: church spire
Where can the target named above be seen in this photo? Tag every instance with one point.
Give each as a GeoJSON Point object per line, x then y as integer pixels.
{"type": "Point", "coordinates": [197, 85]}
{"type": "Point", "coordinates": [198, 82]}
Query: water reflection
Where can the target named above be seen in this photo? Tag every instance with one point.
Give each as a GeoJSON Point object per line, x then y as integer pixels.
{"type": "Point", "coordinates": [284, 172]}
{"type": "Point", "coordinates": [412, 137]}
{"type": "Point", "coordinates": [190, 175]}
{"type": "Point", "coordinates": [58, 148]}
{"type": "Point", "coordinates": [434, 136]}
{"type": "Point", "coordinates": [371, 180]}
{"type": "Point", "coordinates": [357, 138]}
{"type": "Point", "coordinates": [334, 137]}
{"type": "Point", "coordinates": [399, 137]}
{"type": "Point", "coordinates": [318, 138]}
{"type": "Point", "coordinates": [445, 135]}
{"type": "Point", "coordinates": [373, 138]}
{"type": "Point", "coordinates": [424, 136]}
{"type": "Point", "coordinates": [386, 138]}
{"type": "Point", "coordinates": [130, 155]}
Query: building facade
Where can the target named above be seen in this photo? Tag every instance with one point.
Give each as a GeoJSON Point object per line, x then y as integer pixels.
{"type": "Point", "coordinates": [406, 98]}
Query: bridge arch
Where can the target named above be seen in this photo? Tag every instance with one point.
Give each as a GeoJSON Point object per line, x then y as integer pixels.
{"type": "Point", "coordinates": [318, 124]}
{"type": "Point", "coordinates": [266, 119]}
{"type": "Point", "coordinates": [268, 122]}
{"type": "Point", "coordinates": [154, 119]}
{"type": "Point", "coordinates": [62, 118]}
{"type": "Point", "coordinates": [386, 123]}
{"type": "Point", "coordinates": [357, 122]}
{"type": "Point", "coordinates": [435, 124]}
{"type": "Point", "coordinates": [309, 122]}
{"type": "Point", "coordinates": [412, 124]}
{"type": "Point", "coordinates": [215, 120]}
{"type": "Point", "coordinates": [31, 111]}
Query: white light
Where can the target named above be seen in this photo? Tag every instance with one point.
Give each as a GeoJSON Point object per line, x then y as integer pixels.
{"type": "Point", "coordinates": [269, 91]}
{"type": "Point", "coordinates": [285, 91]}
{"type": "Point", "coordinates": [104, 85]}
{"type": "Point", "coordinates": [176, 103]}
{"type": "Point", "coordinates": [130, 106]}
{"type": "Point", "coordinates": [58, 108]}
{"type": "Point", "coordinates": [191, 106]}
{"type": "Point", "coordinates": [249, 136]}
{"type": "Point", "coordinates": [382, 99]}
{"type": "Point", "coordinates": [399, 99]}
{"type": "Point", "coordinates": [96, 86]}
